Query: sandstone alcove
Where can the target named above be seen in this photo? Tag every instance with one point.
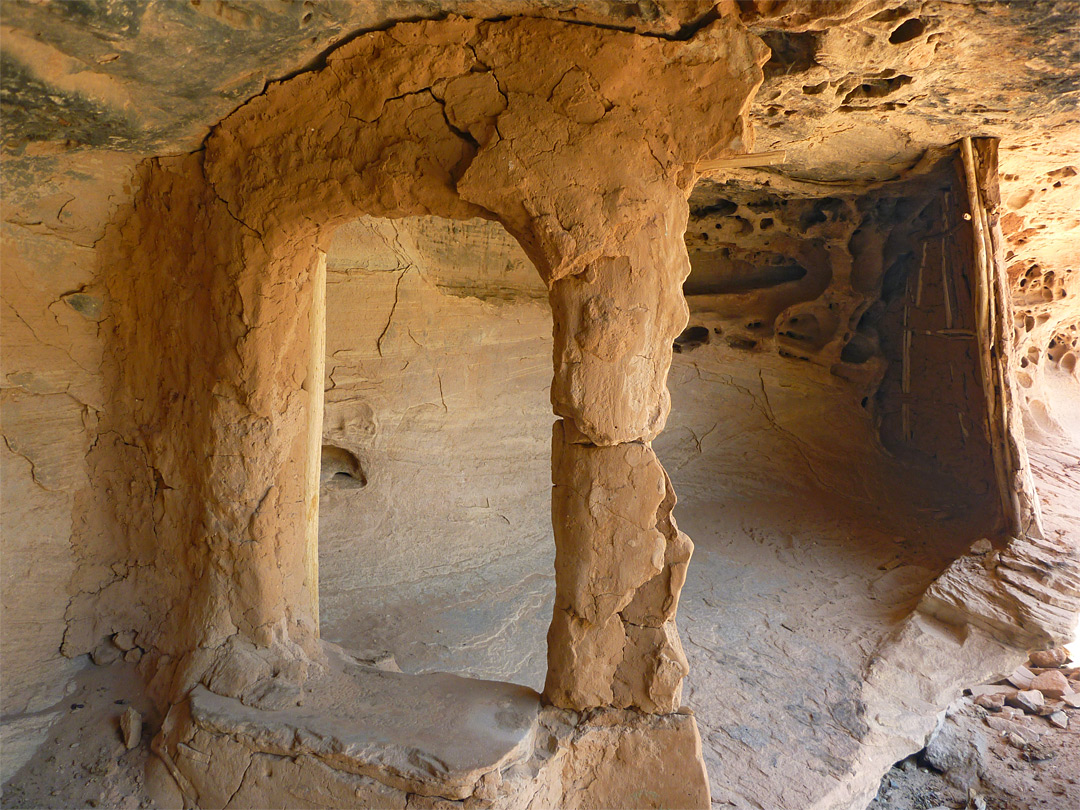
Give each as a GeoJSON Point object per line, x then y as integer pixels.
{"type": "Point", "coordinates": [871, 295]}
{"type": "Point", "coordinates": [425, 337]}
{"type": "Point", "coordinates": [815, 475]}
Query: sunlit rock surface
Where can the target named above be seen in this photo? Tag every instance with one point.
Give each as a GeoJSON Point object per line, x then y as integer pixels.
{"type": "Point", "coordinates": [816, 526]}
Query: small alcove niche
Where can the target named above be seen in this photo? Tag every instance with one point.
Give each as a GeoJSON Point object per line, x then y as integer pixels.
{"type": "Point", "coordinates": [838, 332]}
{"type": "Point", "coordinates": [435, 542]}
{"type": "Point", "coordinates": [340, 469]}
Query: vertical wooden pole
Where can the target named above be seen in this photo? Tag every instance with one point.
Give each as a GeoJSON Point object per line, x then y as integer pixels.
{"type": "Point", "coordinates": [993, 319]}
{"type": "Point", "coordinates": [1021, 479]}
{"type": "Point", "coordinates": [314, 386]}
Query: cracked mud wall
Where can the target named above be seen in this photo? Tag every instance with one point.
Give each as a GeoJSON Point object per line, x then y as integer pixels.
{"type": "Point", "coordinates": [234, 236]}
{"type": "Point", "coordinates": [208, 274]}
{"type": "Point", "coordinates": [160, 500]}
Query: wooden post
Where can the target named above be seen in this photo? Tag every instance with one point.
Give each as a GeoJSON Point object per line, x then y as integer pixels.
{"type": "Point", "coordinates": [1021, 479]}
{"type": "Point", "coordinates": [993, 318]}
{"type": "Point", "coordinates": [314, 385]}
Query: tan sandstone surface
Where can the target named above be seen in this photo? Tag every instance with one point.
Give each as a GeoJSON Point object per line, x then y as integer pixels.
{"type": "Point", "coordinates": [490, 196]}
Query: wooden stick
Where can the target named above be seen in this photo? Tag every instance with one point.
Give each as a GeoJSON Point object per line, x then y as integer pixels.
{"type": "Point", "coordinates": [965, 334]}
{"type": "Point", "coordinates": [945, 288]}
{"type": "Point", "coordinates": [1025, 497]}
{"type": "Point", "coordinates": [905, 366]}
{"type": "Point", "coordinates": [982, 275]}
{"type": "Point", "coordinates": [918, 279]}
{"type": "Point", "coordinates": [743, 161]}
{"type": "Point", "coordinates": [944, 270]}
{"type": "Point", "coordinates": [995, 414]}
{"type": "Point", "coordinates": [991, 298]}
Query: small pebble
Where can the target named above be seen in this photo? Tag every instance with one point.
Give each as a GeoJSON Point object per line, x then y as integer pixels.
{"type": "Point", "coordinates": [131, 728]}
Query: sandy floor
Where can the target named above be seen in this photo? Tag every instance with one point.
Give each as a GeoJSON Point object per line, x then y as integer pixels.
{"type": "Point", "coordinates": [810, 547]}
{"type": "Point", "coordinates": [83, 761]}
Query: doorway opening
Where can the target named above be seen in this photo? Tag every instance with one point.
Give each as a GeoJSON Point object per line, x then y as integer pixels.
{"type": "Point", "coordinates": [435, 543]}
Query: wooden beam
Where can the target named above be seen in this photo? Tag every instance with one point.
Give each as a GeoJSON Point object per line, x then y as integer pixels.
{"type": "Point", "coordinates": [749, 161]}
{"type": "Point", "coordinates": [984, 331]}
{"type": "Point", "coordinates": [1021, 479]}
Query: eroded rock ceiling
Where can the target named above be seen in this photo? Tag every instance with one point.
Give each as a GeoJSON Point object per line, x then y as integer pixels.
{"type": "Point", "coordinates": [855, 91]}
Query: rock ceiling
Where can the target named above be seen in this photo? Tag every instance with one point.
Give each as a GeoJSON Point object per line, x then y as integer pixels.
{"type": "Point", "coordinates": [855, 92]}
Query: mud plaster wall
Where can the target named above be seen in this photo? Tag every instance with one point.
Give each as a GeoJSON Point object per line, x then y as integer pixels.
{"type": "Point", "coordinates": [94, 459]}
{"type": "Point", "coordinates": [49, 406]}
{"type": "Point", "coordinates": [438, 375]}
{"type": "Point", "coordinates": [216, 252]}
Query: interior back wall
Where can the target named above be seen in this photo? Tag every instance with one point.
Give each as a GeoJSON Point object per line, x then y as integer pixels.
{"type": "Point", "coordinates": [437, 434]}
